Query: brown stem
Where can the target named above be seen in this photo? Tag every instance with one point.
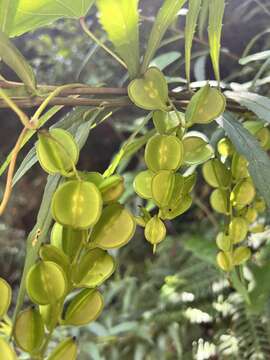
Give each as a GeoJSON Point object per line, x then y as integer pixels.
{"type": "Point", "coordinates": [10, 173]}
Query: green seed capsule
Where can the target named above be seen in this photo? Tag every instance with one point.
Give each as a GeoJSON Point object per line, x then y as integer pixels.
{"type": "Point", "coordinates": [253, 126]}
{"type": "Point", "coordinates": [155, 231]}
{"type": "Point", "coordinates": [84, 308]}
{"type": "Point", "coordinates": [263, 137]}
{"type": "Point", "coordinates": [52, 253]}
{"type": "Point", "coordinates": [241, 255]}
{"type": "Point", "coordinates": [150, 92]}
{"type": "Point", "coordinates": [7, 353]}
{"type": "Point", "coordinates": [216, 174]}
{"type": "Point", "coordinates": [260, 205]}
{"type": "Point", "coordinates": [243, 193]}
{"type": "Point", "coordinates": [92, 177]}
{"type": "Point", "coordinates": [46, 283]}
{"type": "Point", "coordinates": [239, 167]}
{"type": "Point", "coordinates": [223, 241]}
{"type": "Point", "coordinates": [189, 183]}
{"type": "Point", "coordinates": [205, 106]}
{"type": "Point", "coordinates": [66, 350]}
{"type": "Point", "coordinates": [142, 184]}
{"type": "Point", "coordinates": [5, 298]}
{"type": "Point", "coordinates": [29, 330]}
{"type": "Point", "coordinates": [165, 122]}
{"type": "Point", "coordinates": [112, 188]}
{"type": "Point", "coordinates": [251, 215]}
{"type": "Point", "coordinates": [50, 314]}
{"type": "Point", "coordinates": [196, 149]}
{"type": "Point", "coordinates": [219, 201]}
{"type": "Point", "coordinates": [164, 152]}
{"type": "Point", "coordinates": [238, 229]}
{"type": "Point", "coordinates": [225, 147]}
{"type": "Point", "coordinates": [257, 228]}
{"type": "Point", "coordinates": [93, 269]}
{"type": "Point", "coordinates": [114, 229]}
{"type": "Point", "coordinates": [77, 204]}
{"type": "Point", "coordinates": [224, 261]}
{"type": "Point", "coordinates": [162, 187]}
{"type": "Point", "coordinates": [176, 207]}
{"type": "Point", "coordinates": [67, 239]}
{"type": "Point", "coordinates": [57, 151]}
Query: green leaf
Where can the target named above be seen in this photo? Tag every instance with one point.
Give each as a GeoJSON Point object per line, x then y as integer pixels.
{"type": "Point", "coordinates": [248, 146]}
{"type": "Point", "coordinates": [16, 61]}
{"type": "Point", "coordinates": [120, 20]}
{"type": "Point", "coordinates": [258, 104]}
{"type": "Point", "coordinates": [8, 10]}
{"type": "Point", "coordinates": [191, 22]}
{"type": "Point", "coordinates": [166, 15]}
{"type": "Point", "coordinates": [262, 55]}
{"type": "Point", "coordinates": [216, 11]}
{"type": "Point", "coordinates": [31, 15]}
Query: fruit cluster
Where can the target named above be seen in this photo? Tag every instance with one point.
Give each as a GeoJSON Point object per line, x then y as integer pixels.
{"type": "Point", "coordinates": [234, 195]}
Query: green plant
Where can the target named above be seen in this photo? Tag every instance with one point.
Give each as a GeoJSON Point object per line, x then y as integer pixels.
{"type": "Point", "coordinates": [61, 278]}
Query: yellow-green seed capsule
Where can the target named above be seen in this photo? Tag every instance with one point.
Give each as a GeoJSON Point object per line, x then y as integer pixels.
{"type": "Point", "coordinates": [257, 228]}
{"type": "Point", "coordinates": [142, 184]}
{"type": "Point", "coordinates": [216, 174]}
{"type": "Point", "coordinates": [225, 147]}
{"type": "Point", "coordinates": [238, 229]}
{"type": "Point", "coordinates": [155, 231]}
{"type": "Point", "coordinates": [77, 204]}
{"type": "Point", "coordinates": [243, 193]}
{"type": "Point", "coordinates": [162, 187]}
{"type": "Point", "coordinates": [115, 228]}
{"type": "Point", "coordinates": [50, 314]}
{"type": "Point", "coordinates": [164, 152]}
{"type": "Point", "coordinates": [85, 307]}
{"type": "Point", "coordinates": [112, 188]}
{"type": "Point", "coordinates": [46, 283]}
{"type": "Point", "coordinates": [223, 241]}
{"type": "Point", "coordinates": [6, 351]}
{"type": "Point", "coordinates": [57, 151]}
{"type": "Point", "coordinates": [151, 91]}
{"type": "Point", "coordinates": [219, 201]}
{"type": "Point", "coordinates": [197, 150]}
{"type": "Point", "coordinates": [263, 137]}
{"type": "Point", "coordinates": [29, 330]}
{"type": "Point", "coordinates": [66, 350]}
{"type": "Point", "coordinates": [239, 167]}
{"type": "Point", "coordinates": [224, 261]}
{"type": "Point", "coordinates": [241, 255]}
{"type": "Point", "coordinates": [251, 215]}
{"type": "Point", "coordinates": [176, 207]}
{"type": "Point", "coordinates": [93, 269]}
{"type": "Point", "coordinates": [5, 297]}
{"type": "Point", "coordinates": [259, 205]}
{"type": "Point", "coordinates": [205, 106]}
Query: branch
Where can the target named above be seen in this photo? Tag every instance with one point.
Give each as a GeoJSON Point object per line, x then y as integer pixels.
{"type": "Point", "coordinates": [180, 99]}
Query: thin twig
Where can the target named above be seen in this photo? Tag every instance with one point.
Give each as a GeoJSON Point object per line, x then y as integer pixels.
{"type": "Point", "coordinates": [11, 169]}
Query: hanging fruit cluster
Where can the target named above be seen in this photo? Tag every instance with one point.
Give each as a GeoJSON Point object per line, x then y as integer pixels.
{"type": "Point", "coordinates": [234, 195]}
{"type": "Point", "coordinates": [88, 221]}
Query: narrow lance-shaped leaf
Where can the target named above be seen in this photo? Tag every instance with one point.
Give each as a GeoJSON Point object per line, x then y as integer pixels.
{"type": "Point", "coordinates": [258, 104]}
{"type": "Point", "coordinates": [166, 15]}
{"type": "Point", "coordinates": [15, 60]}
{"type": "Point", "coordinates": [203, 18]}
{"type": "Point", "coordinates": [31, 15]}
{"type": "Point", "coordinates": [216, 11]}
{"type": "Point", "coordinates": [248, 146]}
{"type": "Point", "coordinates": [191, 22]}
{"type": "Point", "coordinates": [120, 20]}
{"type": "Point", "coordinates": [8, 10]}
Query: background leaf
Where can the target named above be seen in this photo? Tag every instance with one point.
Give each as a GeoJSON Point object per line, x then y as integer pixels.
{"type": "Point", "coordinates": [16, 61]}
{"type": "Point", "coordinates": [120, 20]}
{"type": "Point", "coordinates": [191, 22]}
{"type": "Point", "coordinates": [248, 146]}
{"type": "Point", "coordinates": [8, 9]}
{"type": "Point", "coordinates": [166, 15]}
{"type": "Point", "coordinates": [31, 14]}
{"type": "Point", "coordinates": [258, 104]}
{"type": "Point", "coordinates": [216, 11]}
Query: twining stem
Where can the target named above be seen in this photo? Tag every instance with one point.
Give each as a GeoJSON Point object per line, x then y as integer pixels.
{"type": "Point", "coordinates": [100, 43]}
{"type": "Point", "coordinates": [21, 115]}
{"type": "Point", "coordinates": [11, 169]}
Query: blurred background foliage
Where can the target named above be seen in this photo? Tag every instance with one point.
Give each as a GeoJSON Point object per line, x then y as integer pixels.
{"type": "Point", "coordinates": [174, 304]}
